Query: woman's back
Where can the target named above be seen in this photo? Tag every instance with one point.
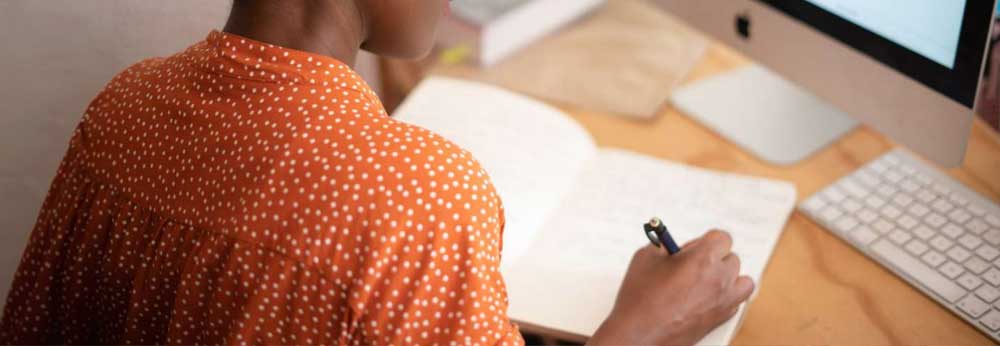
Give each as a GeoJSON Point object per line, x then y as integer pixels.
{"type": "Point", "coordinates": [243, 192]}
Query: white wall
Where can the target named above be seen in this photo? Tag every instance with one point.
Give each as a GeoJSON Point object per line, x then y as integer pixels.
{"type": "Point", "coordinates": [55, 55]}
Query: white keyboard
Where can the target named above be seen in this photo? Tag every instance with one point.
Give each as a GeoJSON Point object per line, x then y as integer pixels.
{"type": "Point", "coordinates": [938, 235]}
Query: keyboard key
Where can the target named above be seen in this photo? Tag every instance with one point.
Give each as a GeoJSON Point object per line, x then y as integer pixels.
{"type": "Point", "coordinates": [851, 205]}
{"type": "Point", "coordinates": [863, 236]}
{"type": "Point", "coordinates": [890, 159]}
{"type": "Point", "coordinates": [951, 270]}
{"type": "Point", "coordinates": [942, 206]}
{"type": "Point", "coordinates": [992, 236]}
{"type": "Point", "coordinates": [941, 243]}
{"type": "Point", "coordinates": [924, 232]}
{"type": "Point", "coordinates": [933, 258]}
{"type": "Point", "coordinates": [907, 222]}
{"type": "Point", "coordinates": [970, 281]}
{"type": "Point", "coordinates": [814, 205]}
{"type": "Point", "coordinates": [970, 242]}
{"type": "Point", "coordinates": [991, 320]}
{"type": "Point", "coordinates": [883, 226]}
{"type": "Point", "coordinates": [923, 179]}
{"type": "Point", "coordinates": [916, 247]}
{"type": "Point", "coordinates": [854, 189]}
{"type": "Point", "coordinates": [959, 216]}
{"type": "Point", "coordinates": [958, 199]}
{"type": "Point", "coordinates": [973, 306]}
{"type": "Point", "coordinates": [992, 276]}
{"type": "Point", "coordinates": [952, 231]}
{"type": "Point", "coordinates": [907, 170]}
{"type": "Point", "coordinates": [886, 191]}
{"type": "Point", "coordinates": [878, 167]}
{"type": "Point", "coordinates": [909, 185]}
{"type": "Point", "coordinates": [977, 226]}
{"type": "Point", "coordinates": [830, 214]}
{"type": "Point", "coordinates": [867, 178]}
{"type": "Point", "coordinates": [959, 254]}
{"type": "Point", "coordinates": [867, 216]}
{"type": "Point", "coordinates": [918, 210]}
{"type": "Point", "coordinates": [902, 200]}
{"type": "Point", "coordinates": [846, 223]}
{"type": "Point", "coordinates": [935, 220]}
{"type": "Point", "coordinates": [976, 210]}
{"type": "Point", "coordinates": [977, 265]}
{"type": "Point", "coordinates": [921, 273]}
{"type": "Point", "coordinates": [941, 189]}
{"type": "Point", "coordinates": [874, 202]}
{"type": "Point", "coordinates": [833, 194]}
{"type": "Point", "coordinates": [987, 252]}
{"type": "Point", "coordinates": [900, 237]}
{"type": "Point", "coordinates": [988, 293]}
{"type": "Point", "coordinates": [926, 196]}
{"type": "Point", "coordinates": [992, 220]}
{"type": "Point", "coordinates": [891, 212]}
{"type": "Point", "coordinates": [893, 176]}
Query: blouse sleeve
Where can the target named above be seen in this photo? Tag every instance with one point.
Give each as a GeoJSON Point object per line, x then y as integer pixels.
{"type": "Point", "coordinates": [432, 276]}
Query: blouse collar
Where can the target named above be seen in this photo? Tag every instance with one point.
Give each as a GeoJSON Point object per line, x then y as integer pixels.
{"type": "Point", "coordinates": [245, 58]}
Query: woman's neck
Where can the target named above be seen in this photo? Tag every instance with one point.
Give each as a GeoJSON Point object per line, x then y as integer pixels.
{"type": "Point", "coordinates": [313, 26]}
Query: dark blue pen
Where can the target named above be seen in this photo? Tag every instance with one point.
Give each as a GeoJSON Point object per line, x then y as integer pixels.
{"type": "Point", "coordinates": [658, 234]}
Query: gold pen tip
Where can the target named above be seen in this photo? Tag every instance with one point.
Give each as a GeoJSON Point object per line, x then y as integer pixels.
{"type": "Point", "coordinates": [655, 222]}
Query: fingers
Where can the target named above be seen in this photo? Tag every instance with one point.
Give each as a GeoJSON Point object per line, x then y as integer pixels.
{"type": "Point", "coordinates": [731, 268]}
{"type": "Point", "coordinates": [717, 243]}
{"type": "Point", "coordinates": [648, 251]}
{"type": "Point", "coordinates": [741, 290]}
{"type": "Point", "coordinates": [692, 243]}
{"type": "Point", "coordinates": [739, 293]}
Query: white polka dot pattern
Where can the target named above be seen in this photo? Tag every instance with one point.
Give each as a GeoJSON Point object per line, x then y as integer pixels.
{"type": "Point", "coordinates": [244, 193]}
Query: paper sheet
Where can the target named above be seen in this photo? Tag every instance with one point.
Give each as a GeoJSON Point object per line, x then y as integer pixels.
{"type": "Point", "coordinates": [569, 276]}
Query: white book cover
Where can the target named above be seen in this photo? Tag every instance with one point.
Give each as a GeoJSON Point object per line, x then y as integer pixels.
{"type": "Point", "coordinates": [481, 12]}
{"type": "Point", "coordinates": [575, 211]}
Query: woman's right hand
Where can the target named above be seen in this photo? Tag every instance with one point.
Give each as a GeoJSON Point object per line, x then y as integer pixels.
{"type": "Point", "coordinates": [676, 300]}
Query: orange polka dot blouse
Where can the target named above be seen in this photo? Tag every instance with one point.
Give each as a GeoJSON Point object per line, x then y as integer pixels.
{"type": "Point", "coordinates": [244, 193]}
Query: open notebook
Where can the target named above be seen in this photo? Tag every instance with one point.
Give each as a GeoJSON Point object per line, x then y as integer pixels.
{"type": "Point", "coordinates": [575, 211]}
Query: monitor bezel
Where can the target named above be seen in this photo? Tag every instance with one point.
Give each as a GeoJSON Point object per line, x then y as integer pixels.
{"type": "Point", "coordinates": [959, 84]}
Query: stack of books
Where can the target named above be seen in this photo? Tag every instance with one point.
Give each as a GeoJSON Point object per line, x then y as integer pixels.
{"type": "Point", "coordinates": [491, 30]}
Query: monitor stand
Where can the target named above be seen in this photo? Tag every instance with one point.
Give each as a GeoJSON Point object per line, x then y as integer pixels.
{"type": "Point", "coordinates": [768, 116]}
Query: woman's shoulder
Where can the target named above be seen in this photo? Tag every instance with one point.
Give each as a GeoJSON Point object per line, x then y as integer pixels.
{"type": "Point", "coordinates": [379, 150]}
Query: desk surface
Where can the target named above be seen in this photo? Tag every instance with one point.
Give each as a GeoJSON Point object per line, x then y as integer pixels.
{"type": "Point", "coordinates": [817, 289]}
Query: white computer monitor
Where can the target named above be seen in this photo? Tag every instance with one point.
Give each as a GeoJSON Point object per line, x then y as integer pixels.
{"type": "Point", "coordinates": [910, 69]}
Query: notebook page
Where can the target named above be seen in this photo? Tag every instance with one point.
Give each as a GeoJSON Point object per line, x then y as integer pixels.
{"type": "Point", "coordinates": [568, 279]}
{"type": "Point", "coordinates": [532, 152]}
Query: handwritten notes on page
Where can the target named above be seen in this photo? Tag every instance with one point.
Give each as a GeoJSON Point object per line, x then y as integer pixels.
{"type": "Point", "coordinates": [568, 278]}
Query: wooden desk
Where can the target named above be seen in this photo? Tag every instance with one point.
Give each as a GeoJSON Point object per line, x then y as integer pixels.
{"type": "Point", "coordinates": [817, 289]}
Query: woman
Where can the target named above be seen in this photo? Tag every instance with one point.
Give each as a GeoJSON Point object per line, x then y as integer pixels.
{"type": "Point", "coordinates": [251, 189]}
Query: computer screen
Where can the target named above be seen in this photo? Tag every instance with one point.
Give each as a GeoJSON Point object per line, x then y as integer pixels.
{"type": "Point", "coordinates": [939, 43]}
{"type": "Point", "coordinates": [930, 28]}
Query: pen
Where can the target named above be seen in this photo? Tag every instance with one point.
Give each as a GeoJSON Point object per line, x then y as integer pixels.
{"type": "Point", "coordinates": [658, 234]}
